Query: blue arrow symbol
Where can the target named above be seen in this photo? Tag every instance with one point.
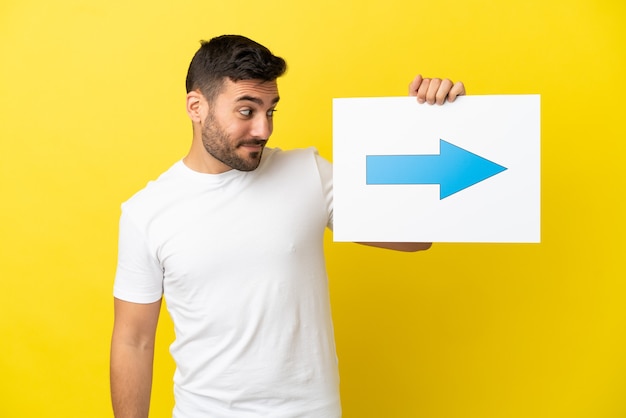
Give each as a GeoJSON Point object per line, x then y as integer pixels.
{"type": "Point", "coordinates": [454, 169]}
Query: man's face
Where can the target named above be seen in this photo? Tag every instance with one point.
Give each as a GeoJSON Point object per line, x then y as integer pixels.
{"type": "Point", "coordinates": [239, 123]}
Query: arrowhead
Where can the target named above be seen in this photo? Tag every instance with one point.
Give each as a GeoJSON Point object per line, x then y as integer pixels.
{"type": "Point", "coordinates": [462, 169]}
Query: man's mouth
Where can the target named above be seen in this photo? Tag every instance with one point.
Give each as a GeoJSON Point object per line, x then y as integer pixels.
{"type": "Point", "coordinates": [256, 144]}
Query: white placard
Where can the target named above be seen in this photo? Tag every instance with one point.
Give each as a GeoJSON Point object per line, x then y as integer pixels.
{"type": "Point", "coordinates": [467, 171]}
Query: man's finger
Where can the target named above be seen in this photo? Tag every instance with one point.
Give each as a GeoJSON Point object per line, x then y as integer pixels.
{"type": "Point", "coordinates": [433, 88]}
{"type": "Point", "coordinates": [457, 90]}
{"type": "Point", "coordinates": [414, 85]}
{"type": "Point", "coordinates": [422, 91]}
{"type": "Point", "coordinates": [443, 91]}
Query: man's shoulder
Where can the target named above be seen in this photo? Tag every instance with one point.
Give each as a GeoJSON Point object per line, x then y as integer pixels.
{"type": "Point", "coordinates": [156, 190]}
{"type": "Point", "coordinates": [298, 157]}
{"type": "Point", "coordinates": [293, 152]}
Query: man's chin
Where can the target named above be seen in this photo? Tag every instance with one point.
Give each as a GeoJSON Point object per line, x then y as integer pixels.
{"type": "Point", "coordinates": [250, 163]}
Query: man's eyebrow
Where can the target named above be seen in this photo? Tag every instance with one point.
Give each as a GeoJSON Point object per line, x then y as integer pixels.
{"type": "Point", "coordinates": [256, 99]}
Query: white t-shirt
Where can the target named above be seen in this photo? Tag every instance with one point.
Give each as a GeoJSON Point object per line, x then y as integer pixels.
{"type": "Point", "coordinates": [239, 258]}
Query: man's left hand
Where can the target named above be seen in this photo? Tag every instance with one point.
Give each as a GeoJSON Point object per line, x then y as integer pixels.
{"type": "Point", "coordinates": [435, 90]}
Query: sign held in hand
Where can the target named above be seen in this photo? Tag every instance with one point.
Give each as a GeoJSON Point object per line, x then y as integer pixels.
{"type": "Point", "coordinates": [467, 171]}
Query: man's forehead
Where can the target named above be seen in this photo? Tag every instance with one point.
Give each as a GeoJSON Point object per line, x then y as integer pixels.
{"type": "Point", "coordinates": [254, 88]}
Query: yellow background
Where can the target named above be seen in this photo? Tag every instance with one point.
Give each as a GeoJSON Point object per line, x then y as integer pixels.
{"type": "Point", "coordinates": [92, 107]}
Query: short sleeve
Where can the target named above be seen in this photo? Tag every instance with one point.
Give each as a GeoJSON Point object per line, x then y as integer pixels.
{"type": "Point", "coordinates": [139, 277]}
{"type": "Point", "coordinates": [325, 169]}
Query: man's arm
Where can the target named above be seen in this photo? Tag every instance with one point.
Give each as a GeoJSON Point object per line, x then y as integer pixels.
{"type": "Point", "coordinates": [132, 354]}
{"type": "Point", "coordinates": [400, 246]}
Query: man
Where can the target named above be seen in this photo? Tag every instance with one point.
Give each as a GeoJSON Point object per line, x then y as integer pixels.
{"type": "Point", "coordinates": [232, 236]}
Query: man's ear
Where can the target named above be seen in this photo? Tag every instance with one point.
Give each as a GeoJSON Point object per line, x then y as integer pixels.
{"type": "Point", "coordinates": [197, 106]}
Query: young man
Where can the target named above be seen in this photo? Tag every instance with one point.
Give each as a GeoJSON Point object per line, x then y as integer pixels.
{"type": "Point", "coordinates": [232, 236]}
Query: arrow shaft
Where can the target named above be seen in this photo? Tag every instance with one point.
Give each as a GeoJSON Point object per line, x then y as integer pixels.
{"type": "Point", "coordinates": [404, 169]}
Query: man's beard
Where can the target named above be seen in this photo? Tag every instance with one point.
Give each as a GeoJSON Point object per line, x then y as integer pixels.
{"type": "Point", "coordinates": [217, 143]}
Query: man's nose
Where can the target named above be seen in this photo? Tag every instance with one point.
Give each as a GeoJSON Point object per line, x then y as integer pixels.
{"type": "Point", "coordinates": [261, 127]}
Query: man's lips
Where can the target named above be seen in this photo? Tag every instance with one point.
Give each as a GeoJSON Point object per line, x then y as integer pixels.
{"type": "Point", "coordinates": [257, 144]}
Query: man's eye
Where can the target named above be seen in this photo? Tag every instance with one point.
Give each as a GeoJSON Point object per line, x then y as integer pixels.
{"type": "Point", "coordinates": [245, 112]}
{"type": "Point", "coordinates": [270, 112]}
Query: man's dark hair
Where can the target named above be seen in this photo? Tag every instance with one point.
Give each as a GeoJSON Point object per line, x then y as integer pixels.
{"type": "Point", "coordinates": [232, 56]}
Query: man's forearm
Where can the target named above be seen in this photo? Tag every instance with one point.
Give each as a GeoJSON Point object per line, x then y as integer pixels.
{"type": "Point", "coordinates": [131, 379]}
{"type": "Point", "coordinates": [400, 246]}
